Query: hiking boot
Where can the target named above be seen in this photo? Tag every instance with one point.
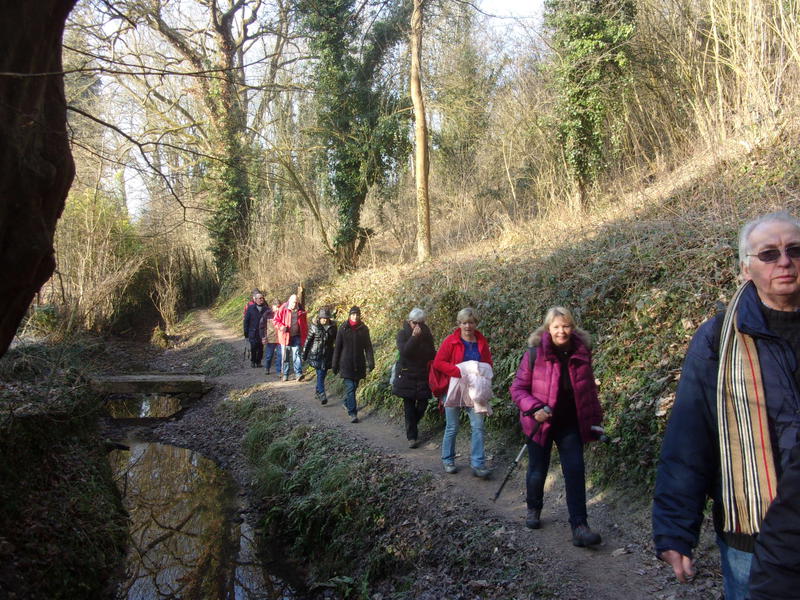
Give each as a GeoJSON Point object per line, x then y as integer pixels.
{"type": "Point", "coordinates": [413, 443]}
{"type": "Point", "coordinates": [267, 370]}
{"type": "Point", "coordinates": [481, 472]}
{"type": "Point", "coordinates": [354, 419]}
{"type": "Point", "coordinates": [533, 521]}
{"type": "Point", "coordinates": [582, 536]}
{"type": "Point", "coordinates": [450, 468]}
{"type": "Point", "coordinates": [323, 399]}
{"type": "Point", "coordinates": [298, 377]}
{"type": "Point", "coordinates": [284, 378]}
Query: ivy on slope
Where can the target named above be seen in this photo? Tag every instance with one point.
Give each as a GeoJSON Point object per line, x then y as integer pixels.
{"type": "Point", "coordinates": [641, 284]}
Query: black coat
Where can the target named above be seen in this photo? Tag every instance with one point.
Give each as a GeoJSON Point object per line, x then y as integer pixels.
{"type": "Point", "coordinates": [252, 317]}
{"type": "Point", "coordinates": [775, 572]}
{"type": "Point", "coordinates": [416, 354]}
{"type": "Point", "coordinates": [352, 355]}
{"type": "Point", "coordinates": [318, 349]}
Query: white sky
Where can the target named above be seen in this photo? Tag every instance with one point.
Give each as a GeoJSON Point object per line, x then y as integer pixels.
{"type": "Point", "coordinates": [513, 8]}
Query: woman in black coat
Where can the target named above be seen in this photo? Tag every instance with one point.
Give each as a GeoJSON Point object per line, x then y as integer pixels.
{"type": "Point", "coordinates": [415, 345]}
{"type": "Point", "coordinates": [353, 358]}
{"type": "Point", "coordinates": [318, 349]}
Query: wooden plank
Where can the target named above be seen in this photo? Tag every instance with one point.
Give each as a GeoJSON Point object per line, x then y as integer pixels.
{"type": "Point", "coordinates": [150, 384]}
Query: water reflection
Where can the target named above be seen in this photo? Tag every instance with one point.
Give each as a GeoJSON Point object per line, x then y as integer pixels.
{"type": "Point", "coordinates": [183, 542]}
{"type": "Point", "coordinates": [139, 407]}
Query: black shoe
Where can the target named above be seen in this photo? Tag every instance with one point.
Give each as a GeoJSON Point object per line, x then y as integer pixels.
{"type": "Point", "coordinates": [533, 521]}
{"type": "Point", "coordinates": [354, 419]}
{"type": "Point", "coordinates": [267, 370]}
{"type": "Point", "coordinates": [481, 472]}
{"type": "Point", "coordinates": [323, 399]}
{"type": "Point", "coordinates": [582, 536]}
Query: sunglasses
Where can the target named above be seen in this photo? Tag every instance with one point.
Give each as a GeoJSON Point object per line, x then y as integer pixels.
{"type": "Point", "coordinates": [773, 254]}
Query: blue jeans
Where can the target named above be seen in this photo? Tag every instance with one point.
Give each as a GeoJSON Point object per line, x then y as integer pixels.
{"type": "Point", "coordinates": [321, 373]}
{"type": "Point", "coordinates": [570, 452]}
{"type": "Point", "coordinates": [735, 571]}
{"type": "Point", "coordinates": [477, 457]}
{"type": "Point", "coordinates": [270, 351]}
{"type": "Point", "coordinates": [350, 386]}
{"type": "Point", "coordinates": [294, 348]}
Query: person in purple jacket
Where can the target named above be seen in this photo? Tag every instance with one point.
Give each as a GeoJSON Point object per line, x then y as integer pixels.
{"type": "Point", "coordinates": [555, 387]}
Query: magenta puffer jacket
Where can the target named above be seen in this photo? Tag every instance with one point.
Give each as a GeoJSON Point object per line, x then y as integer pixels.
{"type": "Point", "coordinates": [533, 390]}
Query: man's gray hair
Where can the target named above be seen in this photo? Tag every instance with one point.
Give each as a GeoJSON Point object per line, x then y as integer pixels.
{"type": "Point", "coordinates": [782, 216]}
{"type": "Point", "coordinates": [417, 314]}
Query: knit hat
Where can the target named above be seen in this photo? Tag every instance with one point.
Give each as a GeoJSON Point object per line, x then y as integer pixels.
{"type": "Point", "coordinates": [355, 310]}
{"type": "Point", "coordinates": [324, 313]}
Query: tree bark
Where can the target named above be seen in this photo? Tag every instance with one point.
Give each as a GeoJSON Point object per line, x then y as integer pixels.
{"type": "Point", "coordinates": [36, 167]}
{"type": "Point", "coordinates": [421, 160]}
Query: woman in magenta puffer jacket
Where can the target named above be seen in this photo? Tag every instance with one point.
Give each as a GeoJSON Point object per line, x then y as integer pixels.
{"type": "Point", "coordinates": [558, 392]}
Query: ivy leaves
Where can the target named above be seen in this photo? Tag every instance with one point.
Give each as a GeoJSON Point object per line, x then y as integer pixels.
{"type": "Point", "coordinates": [591, 38]}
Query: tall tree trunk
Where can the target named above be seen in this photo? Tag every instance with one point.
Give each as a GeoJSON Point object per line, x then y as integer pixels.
{"type": "Point", "coordinates": [421, 161]}
{"type": "Point", "coordinates": [36, 167]}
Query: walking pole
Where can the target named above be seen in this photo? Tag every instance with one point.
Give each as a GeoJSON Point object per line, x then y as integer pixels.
{"type": "Point", "coordinates": [514, 464]}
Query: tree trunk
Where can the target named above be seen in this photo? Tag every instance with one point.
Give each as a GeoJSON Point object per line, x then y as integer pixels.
{"type": "Point", "coordinates": [421, 161]}
{"type": "Point", "coordinates": [36, 167]}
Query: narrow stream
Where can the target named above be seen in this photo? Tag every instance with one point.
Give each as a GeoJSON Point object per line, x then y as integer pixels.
{"type": "Point", "coordinates": [186, 539]}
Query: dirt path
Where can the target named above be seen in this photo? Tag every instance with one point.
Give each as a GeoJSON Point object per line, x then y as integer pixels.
{"type": "Point", "coordinates": [623, 567]}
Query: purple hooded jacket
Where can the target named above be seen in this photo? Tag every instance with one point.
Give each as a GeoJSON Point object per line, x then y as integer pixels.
{"type": "Point", "coordinates": [540, 388]}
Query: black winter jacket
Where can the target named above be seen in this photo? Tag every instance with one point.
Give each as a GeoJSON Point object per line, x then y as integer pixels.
{"type": "Point", "coordinates": [689, 469]}
{"type": "Point", "coordinates": [416, 354]}
{"type": "Point", "coordinates": [776, 564]}
{"type": "Point", "coordinates": [252, 317]}
{"type": "Point", "coordinates": [353, 355]}
{"type": "Point", "coordinates": [318, 349]}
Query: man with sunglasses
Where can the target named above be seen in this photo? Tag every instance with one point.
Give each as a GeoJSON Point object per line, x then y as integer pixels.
{"type": "Point", "coordinates": [736, 415]}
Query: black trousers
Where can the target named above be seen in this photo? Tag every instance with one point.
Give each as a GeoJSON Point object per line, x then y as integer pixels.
{"type": "Point", "coordinates": [414, 411]}
{"type": "Point", "coordinates": [256, 351]}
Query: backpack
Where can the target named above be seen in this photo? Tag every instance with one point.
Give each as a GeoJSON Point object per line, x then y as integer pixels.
{"type": "Point", "coordinates": [393, 372]}
{"type": "Point", "coordinates": [531, 357]}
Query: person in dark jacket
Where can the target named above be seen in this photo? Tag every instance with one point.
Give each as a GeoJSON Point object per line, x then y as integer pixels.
{"type": "Point", "coordinates": [466, 343]}
{"type": "Point", "coordinates": [559, 394]}
{"type": "Point", "coordinates": [416, 349]}
{"type": "Point", "coordinates": [318, 349]}
{"type": "Point", "coordinates": [269, 337]}
{"type": "Point", "coordinates": [775, 572]}
{"type": "Point", "coordinates": [252, 317]}
{"type": "Point", "coordinates": [353, 358]}
{"type": "Point", "coordinates": [736, 415]}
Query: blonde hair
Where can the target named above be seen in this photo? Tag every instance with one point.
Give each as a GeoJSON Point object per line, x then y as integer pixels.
{"type": "Point", "coordinates": [466, 314]}
{"type": "Point", "coordinates": [535, 338]}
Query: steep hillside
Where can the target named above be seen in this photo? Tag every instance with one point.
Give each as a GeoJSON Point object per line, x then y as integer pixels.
{"type": "Point", "coordinates": [641, 272]}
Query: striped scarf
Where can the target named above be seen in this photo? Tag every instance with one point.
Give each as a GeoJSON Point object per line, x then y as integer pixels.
{"type": "Point", "coordinates": [748, 470]}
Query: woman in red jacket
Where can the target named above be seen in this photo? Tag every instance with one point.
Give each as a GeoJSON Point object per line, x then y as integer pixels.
{"type": "Point", "coordinates": [559, 393]}
{"type": "Point", "coordinates": [465, 343]}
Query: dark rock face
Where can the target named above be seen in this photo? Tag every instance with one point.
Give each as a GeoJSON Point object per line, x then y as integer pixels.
{"type": "Point", "coordinates": [36, 167]}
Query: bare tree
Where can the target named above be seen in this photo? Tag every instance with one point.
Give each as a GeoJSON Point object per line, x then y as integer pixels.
{"type": "Point", "coordinates": [421, 162]}
{"type": "Point", "coordinates": [36, 167]}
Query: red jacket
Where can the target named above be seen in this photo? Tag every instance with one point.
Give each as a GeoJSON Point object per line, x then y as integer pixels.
{"type": "Point", "coordinates": [532, 390]}
{"type": "Point", "coordinates": [283, 322]}
{"type": "Point", "coordinates": [450, 353]}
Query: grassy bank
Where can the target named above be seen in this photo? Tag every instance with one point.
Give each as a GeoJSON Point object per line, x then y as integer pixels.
{"type": "Point", "coordinates": [360, 524]}
{"type": "Point", "coordinates": [62, 526]}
